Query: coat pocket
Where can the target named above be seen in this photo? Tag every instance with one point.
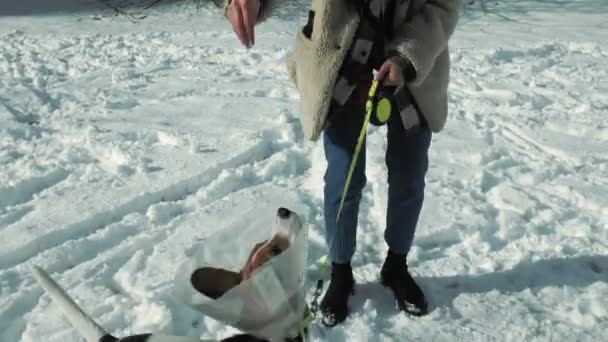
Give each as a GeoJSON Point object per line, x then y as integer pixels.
{"type": "Point", "coordinates": [304, 37]}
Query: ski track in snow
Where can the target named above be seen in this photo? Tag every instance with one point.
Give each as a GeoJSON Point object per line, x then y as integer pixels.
{"type": "Point", "coordinates": [120, 152]}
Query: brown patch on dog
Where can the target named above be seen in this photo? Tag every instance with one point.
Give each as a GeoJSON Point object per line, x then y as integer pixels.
{"type": "Point", "coordinates": [214, 282]}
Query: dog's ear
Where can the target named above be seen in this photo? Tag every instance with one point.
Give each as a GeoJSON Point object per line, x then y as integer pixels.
{"type": "Point", "coordinates": [214, 282]}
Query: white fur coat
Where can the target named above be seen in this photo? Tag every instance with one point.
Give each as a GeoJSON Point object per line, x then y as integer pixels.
{"type": "Point", "coordinates": [422, 29]}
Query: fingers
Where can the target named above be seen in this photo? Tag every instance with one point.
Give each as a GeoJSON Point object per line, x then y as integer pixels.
{"type": "Point", "coordinates": [249, 19]}
{"type": "Point", "coordinates": [384, 69]}
{"type": "Point", "coordinates": [235, 16]}
{"type": "Point", "coordinates": [390, 74]}
{"type": "Point", "coordinates": [243, 15]}
{"type": "Point", "coordinates": [394, 77]}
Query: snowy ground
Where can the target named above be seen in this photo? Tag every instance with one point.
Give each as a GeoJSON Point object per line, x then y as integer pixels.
{"type": "Point", "coordinates": [127, 135]}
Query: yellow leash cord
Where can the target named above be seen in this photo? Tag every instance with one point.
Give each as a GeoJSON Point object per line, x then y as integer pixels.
{"type": "Point", "coordinates": [369, 107]}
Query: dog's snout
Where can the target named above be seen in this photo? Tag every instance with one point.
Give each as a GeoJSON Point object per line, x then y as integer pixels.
{"type": "Point", "coordinates": [284, 213]}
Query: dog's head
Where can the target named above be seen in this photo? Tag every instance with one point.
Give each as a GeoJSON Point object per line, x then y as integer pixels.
{"type": "Point", "coordinates": [286, 228]}
{"type": "Point", "coordinates": [214, 282]}
{"type": "Point", "coordinates": [287, 223]}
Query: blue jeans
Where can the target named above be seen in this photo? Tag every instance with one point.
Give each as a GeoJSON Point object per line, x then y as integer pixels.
{"type": "Point", "coordinates": [407, 163]}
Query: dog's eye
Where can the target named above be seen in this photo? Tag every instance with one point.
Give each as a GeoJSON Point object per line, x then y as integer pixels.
{"type": "Point", "coordinates": [275, 251]}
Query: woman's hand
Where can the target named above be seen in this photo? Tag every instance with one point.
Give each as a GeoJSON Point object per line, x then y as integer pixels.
{"type": "Point", "coordinates": [391, 74]}
{"type": "Point", "coordinates": [243, 15]}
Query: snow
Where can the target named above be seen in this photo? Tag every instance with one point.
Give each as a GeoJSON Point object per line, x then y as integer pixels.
{"type": "Point", "coordinates": [128, 137]}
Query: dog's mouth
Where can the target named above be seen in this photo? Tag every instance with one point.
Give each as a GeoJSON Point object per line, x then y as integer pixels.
{"type": "Point", "coordinates": [276, 251]}
{"type": "Point", "coordinates": [263, 252]}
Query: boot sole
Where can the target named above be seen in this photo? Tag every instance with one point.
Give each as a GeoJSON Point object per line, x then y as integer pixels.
{"type": "Point", "coordinates": [408, 312]}
{"type": "Point", "coordinates": [352, 293]}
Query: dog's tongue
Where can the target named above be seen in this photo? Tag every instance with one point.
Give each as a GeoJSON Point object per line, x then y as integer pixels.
{"type": "Point", "coordinates": [255, 259]}
{"type": "Point", "coordinates": [262, 252]}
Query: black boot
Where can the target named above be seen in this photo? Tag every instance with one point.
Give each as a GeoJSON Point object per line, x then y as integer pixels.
{"type": "Point", "coordinates": [334, 308]}
{"type": "Point", "coordinates": [408, 294]}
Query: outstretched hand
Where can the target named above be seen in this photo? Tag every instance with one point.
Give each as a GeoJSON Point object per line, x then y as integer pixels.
{"type": "Point", "coordinates": [243, 15]}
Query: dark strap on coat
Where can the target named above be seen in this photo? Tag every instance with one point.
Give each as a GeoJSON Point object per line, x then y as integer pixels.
{"type": "Point", "coordinates": [389, 18]}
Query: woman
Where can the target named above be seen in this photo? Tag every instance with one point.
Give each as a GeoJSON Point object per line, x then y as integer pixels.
{"type": "Point", "coordinates": [331, 65]}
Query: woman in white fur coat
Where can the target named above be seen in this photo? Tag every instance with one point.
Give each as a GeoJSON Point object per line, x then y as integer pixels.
{"type": "Point", "coordinates": [331, 66]}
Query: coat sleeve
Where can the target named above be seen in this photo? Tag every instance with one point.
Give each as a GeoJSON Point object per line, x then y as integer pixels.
{"type": "Point", "coordinates": [422, 38]}
{"type": "Point", "coordinates": [267, 6]}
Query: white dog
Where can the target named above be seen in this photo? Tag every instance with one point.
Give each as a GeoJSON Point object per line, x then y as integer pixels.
{"type": "Point", "coordinates": [252, 279]}
{"type": "Point", "coordinates": [267, 291]}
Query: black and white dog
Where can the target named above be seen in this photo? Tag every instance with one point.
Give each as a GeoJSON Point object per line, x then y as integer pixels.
{"type": "Point", "coordinates": [92, 332]}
